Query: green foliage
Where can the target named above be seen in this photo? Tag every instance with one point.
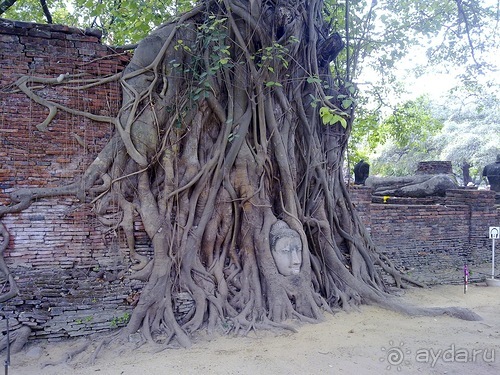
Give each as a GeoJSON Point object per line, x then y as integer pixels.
{"type": "Point", "coordinates": [268, 55]}
{"type": "Point", "coordinates": [390, 160]}
{"type": "Point", "coordinates": [400, 141]}
{"type": "Point", "coordinates": [409, 125]}
{"type": "Point", "coordinates": [471, 130]}
{"type": "Point", "coordinates": [121, 21]}
{"type": "Point", "coordinates": [469, 135]}
{"type": "Point", "coordinates": [331, 117]}
{"type": "Point", "coordinates": [87, 319]}
{"type": "Point", "coordinates": [211, 37]}
{"type": "Point", "coordinates": [31, 11]}
{"type": "Point", "coordinates": [120, 321]}
{"type": "Point", "coordinates": [360, 143]}
{"type": "Point", "coordinates": [272, 59]}
{"type": "Point", "coordinates": [382, 36]}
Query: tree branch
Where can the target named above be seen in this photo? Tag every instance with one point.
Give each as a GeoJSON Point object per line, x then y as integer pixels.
{"type": "Point", "coordinates": [461, 12]}
{"type": "Point", "coordinates": [46, 11]}
{"type": "Point", "coordinates": [5, 5]}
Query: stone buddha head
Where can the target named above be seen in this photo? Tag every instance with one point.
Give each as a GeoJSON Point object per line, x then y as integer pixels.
{"type": "Point", "coordinates": [286, 248]}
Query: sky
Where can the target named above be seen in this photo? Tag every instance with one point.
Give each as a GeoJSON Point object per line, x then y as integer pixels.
{"type": "Point", "coordinates": [438, 80]}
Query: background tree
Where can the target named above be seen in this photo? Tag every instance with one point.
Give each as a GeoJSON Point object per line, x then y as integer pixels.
{"type": "Point", "coordinates": [37, 11]}
{"type": "Point", "coordinates": [392, 43]}
{"type": "Point", "coordinates": [464, 132]}
{"type": "Point", "coordinates": [403, 139]}
{"type": "Point", "coordinates": [121, 22]}
{"type": "Point", "coordinates": [469, 137]}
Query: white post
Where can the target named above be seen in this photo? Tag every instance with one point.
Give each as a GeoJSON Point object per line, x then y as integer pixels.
{"type": "Point", "coordinates": [493, 259]}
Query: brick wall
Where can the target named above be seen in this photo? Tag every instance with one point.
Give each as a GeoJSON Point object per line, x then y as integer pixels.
{"type": "Point", "coordinates": [68, 266]}
{"type": "Point", "coordinates": [434, 167]}
{"type": "Point", "coordinates": [431, 239]}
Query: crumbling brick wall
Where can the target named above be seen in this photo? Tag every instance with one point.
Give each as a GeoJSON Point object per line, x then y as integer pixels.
{"type": "Point", "coordinates": [432, 238]}
{"type": "Point", "coordinates": [69, 267]}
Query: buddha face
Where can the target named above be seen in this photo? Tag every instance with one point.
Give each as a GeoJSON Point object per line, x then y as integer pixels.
{"type": "Point", "coordinates": [287, 254]}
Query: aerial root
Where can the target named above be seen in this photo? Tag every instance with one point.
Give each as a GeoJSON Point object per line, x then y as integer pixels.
{"type": "Point", "coordinates": [98, 349]}
{"type": "Point", "coordinates": [456, 312]}
{"type": "Point", "coordinates": [407, 309]}
{"type": "Point", "coordinates": [270, 325]}
{"type": "Point", "coordinates": [398, 277]}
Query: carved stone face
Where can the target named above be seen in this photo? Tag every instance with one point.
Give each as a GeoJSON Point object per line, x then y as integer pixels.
{"type": "Point", "coordinates": [286, 248]}
{"type": "Point", "coordinates": [287, 255]}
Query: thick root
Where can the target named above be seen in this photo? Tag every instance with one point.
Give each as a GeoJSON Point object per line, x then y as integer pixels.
{"type": "Point", "coordinates": [17, 339]}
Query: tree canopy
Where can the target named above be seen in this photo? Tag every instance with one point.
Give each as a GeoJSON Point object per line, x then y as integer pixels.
{"type": "Point", "coordinates": [463, 131]}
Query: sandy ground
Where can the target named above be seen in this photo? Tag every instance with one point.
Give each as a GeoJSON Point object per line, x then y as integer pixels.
{"type": "Point", "coordinates": [368, 341]}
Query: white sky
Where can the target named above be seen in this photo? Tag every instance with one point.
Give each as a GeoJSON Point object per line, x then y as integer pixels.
{"type": "Point", "coordinates": [436, 82]}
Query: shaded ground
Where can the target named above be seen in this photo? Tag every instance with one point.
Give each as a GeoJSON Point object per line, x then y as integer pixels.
{"type": "Point", "coordinates": [368, 341]}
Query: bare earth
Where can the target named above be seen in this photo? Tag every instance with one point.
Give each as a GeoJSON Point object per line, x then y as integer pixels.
{"type": "Point", "coordinates": [368, 341]}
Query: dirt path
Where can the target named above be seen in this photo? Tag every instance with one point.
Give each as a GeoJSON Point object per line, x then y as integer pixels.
{"type": "Point", "coordinates": [368, 341]}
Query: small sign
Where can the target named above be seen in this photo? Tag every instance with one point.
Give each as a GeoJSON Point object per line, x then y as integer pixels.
{"type": "Point", "coordinates": [495, 232]}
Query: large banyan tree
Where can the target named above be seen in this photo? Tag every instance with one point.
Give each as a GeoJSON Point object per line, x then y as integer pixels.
{"type": "Point", "coordinates": [230, 146]}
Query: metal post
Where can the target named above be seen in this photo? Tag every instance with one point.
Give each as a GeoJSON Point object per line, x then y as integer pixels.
{"type": "Point", "coordinates": [493, 258]}
{"type": "Point", "coordinates": [466, 277]}
{"type": "Point", "coordinates": [7, 360]}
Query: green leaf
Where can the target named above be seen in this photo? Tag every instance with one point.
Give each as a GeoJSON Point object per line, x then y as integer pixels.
{"type": "Point", "coordinates": [343, 122]}
{"type": "Point", "coordinates": [312, 79]}
{"type": "Point", "coordinates": [346, 103]}
{"type": "Point", "coordinates": [328, 117]}
{"type": "Point", "coordinates": [323, 111]}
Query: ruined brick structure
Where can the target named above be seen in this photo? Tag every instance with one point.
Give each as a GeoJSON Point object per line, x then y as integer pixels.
{"type": "Point", "coordinates": [68, 265]}
{"type": "Point", "coordinates": [432, 238]}
{"type": "Point", "coordinates": [70, 268]}
{"type": "Point", "coordinates": [434, 167]}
